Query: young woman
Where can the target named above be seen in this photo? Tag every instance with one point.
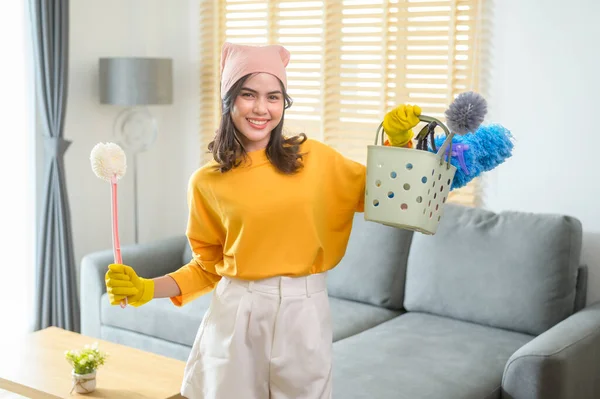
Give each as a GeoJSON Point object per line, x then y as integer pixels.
{"type": "Point", "coordinates": [268, 217]}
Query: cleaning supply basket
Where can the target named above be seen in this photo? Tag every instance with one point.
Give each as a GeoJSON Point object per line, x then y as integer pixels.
{"type": "Point", "coordinates": [407, 188]}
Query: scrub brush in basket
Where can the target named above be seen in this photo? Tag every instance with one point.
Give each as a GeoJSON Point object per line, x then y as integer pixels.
{"type": "Point", "coordinates": [109, 164]}
{"type": "Point", "coordinates": [463, 117]}
{"type": "Point", "coordinates": [483, 149]}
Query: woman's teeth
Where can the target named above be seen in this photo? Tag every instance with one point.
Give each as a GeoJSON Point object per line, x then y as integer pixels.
{"type": "Point", "coordinates": [255, 122]}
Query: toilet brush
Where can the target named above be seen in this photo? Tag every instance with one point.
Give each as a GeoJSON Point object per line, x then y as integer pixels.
{"type": "Point", "coordinates": [109, 164]}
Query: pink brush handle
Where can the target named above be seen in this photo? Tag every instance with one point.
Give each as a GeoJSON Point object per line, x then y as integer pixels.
{"type": "Point", "coordinates": [115, 229]}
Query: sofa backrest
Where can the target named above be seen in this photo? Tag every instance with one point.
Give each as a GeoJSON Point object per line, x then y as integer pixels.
{"type": "Point", "coordinates": [582, 284]}
{"type": "Point", "coordinates": [511, 270]}
{"type": "Point", "coordinates": [373, 269]}
{"type": "Point", "coordinates": [187, 254]}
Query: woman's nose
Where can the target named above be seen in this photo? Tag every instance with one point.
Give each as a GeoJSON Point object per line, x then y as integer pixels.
{"type": "Point", "coordinates": [260, 106]}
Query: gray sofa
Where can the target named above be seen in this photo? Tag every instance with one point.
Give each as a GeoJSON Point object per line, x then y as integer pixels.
{"type": "Point", "coordinates": [492, 306]}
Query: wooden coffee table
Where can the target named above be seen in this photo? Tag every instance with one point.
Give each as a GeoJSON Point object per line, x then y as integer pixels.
{"type": "Point", "coordinates": [35, 367]}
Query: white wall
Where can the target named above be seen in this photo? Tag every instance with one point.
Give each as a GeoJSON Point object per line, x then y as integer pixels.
{"type": "Point", "coordinates": [545, 84]}
{"type": "Point", "coordinates": [105, 28]}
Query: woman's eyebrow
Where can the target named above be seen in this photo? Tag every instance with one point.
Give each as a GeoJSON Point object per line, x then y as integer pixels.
{"type": "Point", "coordinates": [254, 91]}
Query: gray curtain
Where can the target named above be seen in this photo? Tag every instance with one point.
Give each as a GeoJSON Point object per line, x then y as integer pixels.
{"type": "Point", "coordinates": [57, 303]}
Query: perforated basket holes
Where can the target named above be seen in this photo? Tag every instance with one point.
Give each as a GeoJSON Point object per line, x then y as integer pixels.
{"type": "Point", "coordinates": [407, 189]}
{"type": "Point", "coordinates": [408, 192]}
{"type": "Point", "coordinates": [390, 194]}
{"type": "Point", "coordinates": [437, 193]}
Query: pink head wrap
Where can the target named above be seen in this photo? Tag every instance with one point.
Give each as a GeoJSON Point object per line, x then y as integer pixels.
{"type": "Point", "coordinates": [238, 61]}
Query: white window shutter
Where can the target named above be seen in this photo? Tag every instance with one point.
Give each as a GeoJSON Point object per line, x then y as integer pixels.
{"type": "Point", "coordinates": [352, 61]}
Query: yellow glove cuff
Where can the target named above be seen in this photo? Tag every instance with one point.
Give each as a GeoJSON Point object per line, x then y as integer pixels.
{"type": "Point", "coordinates": [401, 140]}
{"type": "Point", "coordinates": [147, 293]}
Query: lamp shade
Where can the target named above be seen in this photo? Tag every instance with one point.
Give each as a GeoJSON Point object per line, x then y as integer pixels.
{"type": "Point", "coordinates": [136, 81]}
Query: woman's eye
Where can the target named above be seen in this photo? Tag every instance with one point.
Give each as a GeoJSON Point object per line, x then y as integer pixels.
{"type": "Point", "coordinates": [246, 94]}
{"type": "Point", "coordinates": [274, 98]}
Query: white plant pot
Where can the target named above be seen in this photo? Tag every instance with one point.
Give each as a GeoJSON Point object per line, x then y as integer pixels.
{"type": "Point", "coordinates": [84, 383]}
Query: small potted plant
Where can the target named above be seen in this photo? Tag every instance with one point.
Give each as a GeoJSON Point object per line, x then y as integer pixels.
{"type": "Point", "coordinates": [85, 362]}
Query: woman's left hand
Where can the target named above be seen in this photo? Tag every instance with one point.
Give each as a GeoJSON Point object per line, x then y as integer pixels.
{"type": "Point", "coordinates": [398, 123]}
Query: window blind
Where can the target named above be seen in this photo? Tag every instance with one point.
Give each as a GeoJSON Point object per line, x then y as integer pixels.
{"type": "Point", "coordinates": [352, 61]}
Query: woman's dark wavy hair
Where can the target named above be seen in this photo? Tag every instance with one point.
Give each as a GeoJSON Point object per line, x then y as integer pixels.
{"type": "Point", "coordinates": [228, 151]}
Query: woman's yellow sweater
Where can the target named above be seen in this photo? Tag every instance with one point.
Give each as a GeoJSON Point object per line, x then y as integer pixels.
{"type": "Point", "coordinates": [254, 222]}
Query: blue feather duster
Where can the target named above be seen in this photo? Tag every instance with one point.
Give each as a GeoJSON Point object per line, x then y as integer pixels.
{"type": "Point", "coordinates": [495, 145]}
{"type": "Point", "coordinates": [478, 152]}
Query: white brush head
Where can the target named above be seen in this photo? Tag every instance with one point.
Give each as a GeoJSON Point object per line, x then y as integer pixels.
{"type": "Point", "coordinates": [108, 160]}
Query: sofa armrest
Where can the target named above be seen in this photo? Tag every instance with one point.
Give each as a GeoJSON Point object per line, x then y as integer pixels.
{"type": "Point", "coordinates": [149, 260]}
{"type": "Point", "coordinates": [561, 363]}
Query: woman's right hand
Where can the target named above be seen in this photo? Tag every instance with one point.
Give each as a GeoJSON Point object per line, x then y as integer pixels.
{"type": "Point", "coordinates": [122, 281]}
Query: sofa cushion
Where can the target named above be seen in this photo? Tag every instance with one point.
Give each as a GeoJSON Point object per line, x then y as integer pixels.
{"type": "Point", "coordinates": [511, 270]}
{"type": "Point", "coordinates": [421, 356]}
{"type": "Point", "coordinates": [160, 319]}
{"type": "Point", "coordinates": [145, 343]}
{"type": "Point", "coordinates": [349, 318]}
{"type": "Point", "coordinates": [374, 266]}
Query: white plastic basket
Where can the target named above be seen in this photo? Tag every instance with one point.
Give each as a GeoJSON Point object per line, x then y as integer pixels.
{"type": "Point", "coordinates": [406, 187]}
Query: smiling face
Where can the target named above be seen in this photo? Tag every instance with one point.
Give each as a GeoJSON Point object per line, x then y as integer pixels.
{"type": "Point", "coordinates": [257, 110]}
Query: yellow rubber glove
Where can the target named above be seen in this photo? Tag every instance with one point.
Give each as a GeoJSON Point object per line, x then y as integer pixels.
{"type": "Point", "coordinates": [398, 124]}
{"type": "Point", "coordinates": [122, 281]}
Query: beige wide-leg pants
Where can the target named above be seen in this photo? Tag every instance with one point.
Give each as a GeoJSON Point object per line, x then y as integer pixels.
{"type": "Point", "coordinates": [267, 339]}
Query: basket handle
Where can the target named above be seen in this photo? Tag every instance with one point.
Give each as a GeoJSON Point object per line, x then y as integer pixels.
{"type": "Point", "coordinates": [428, 119]}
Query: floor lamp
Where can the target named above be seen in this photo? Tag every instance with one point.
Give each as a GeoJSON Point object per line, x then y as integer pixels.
{"type": "Point", "coordinates": [135, 82]}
